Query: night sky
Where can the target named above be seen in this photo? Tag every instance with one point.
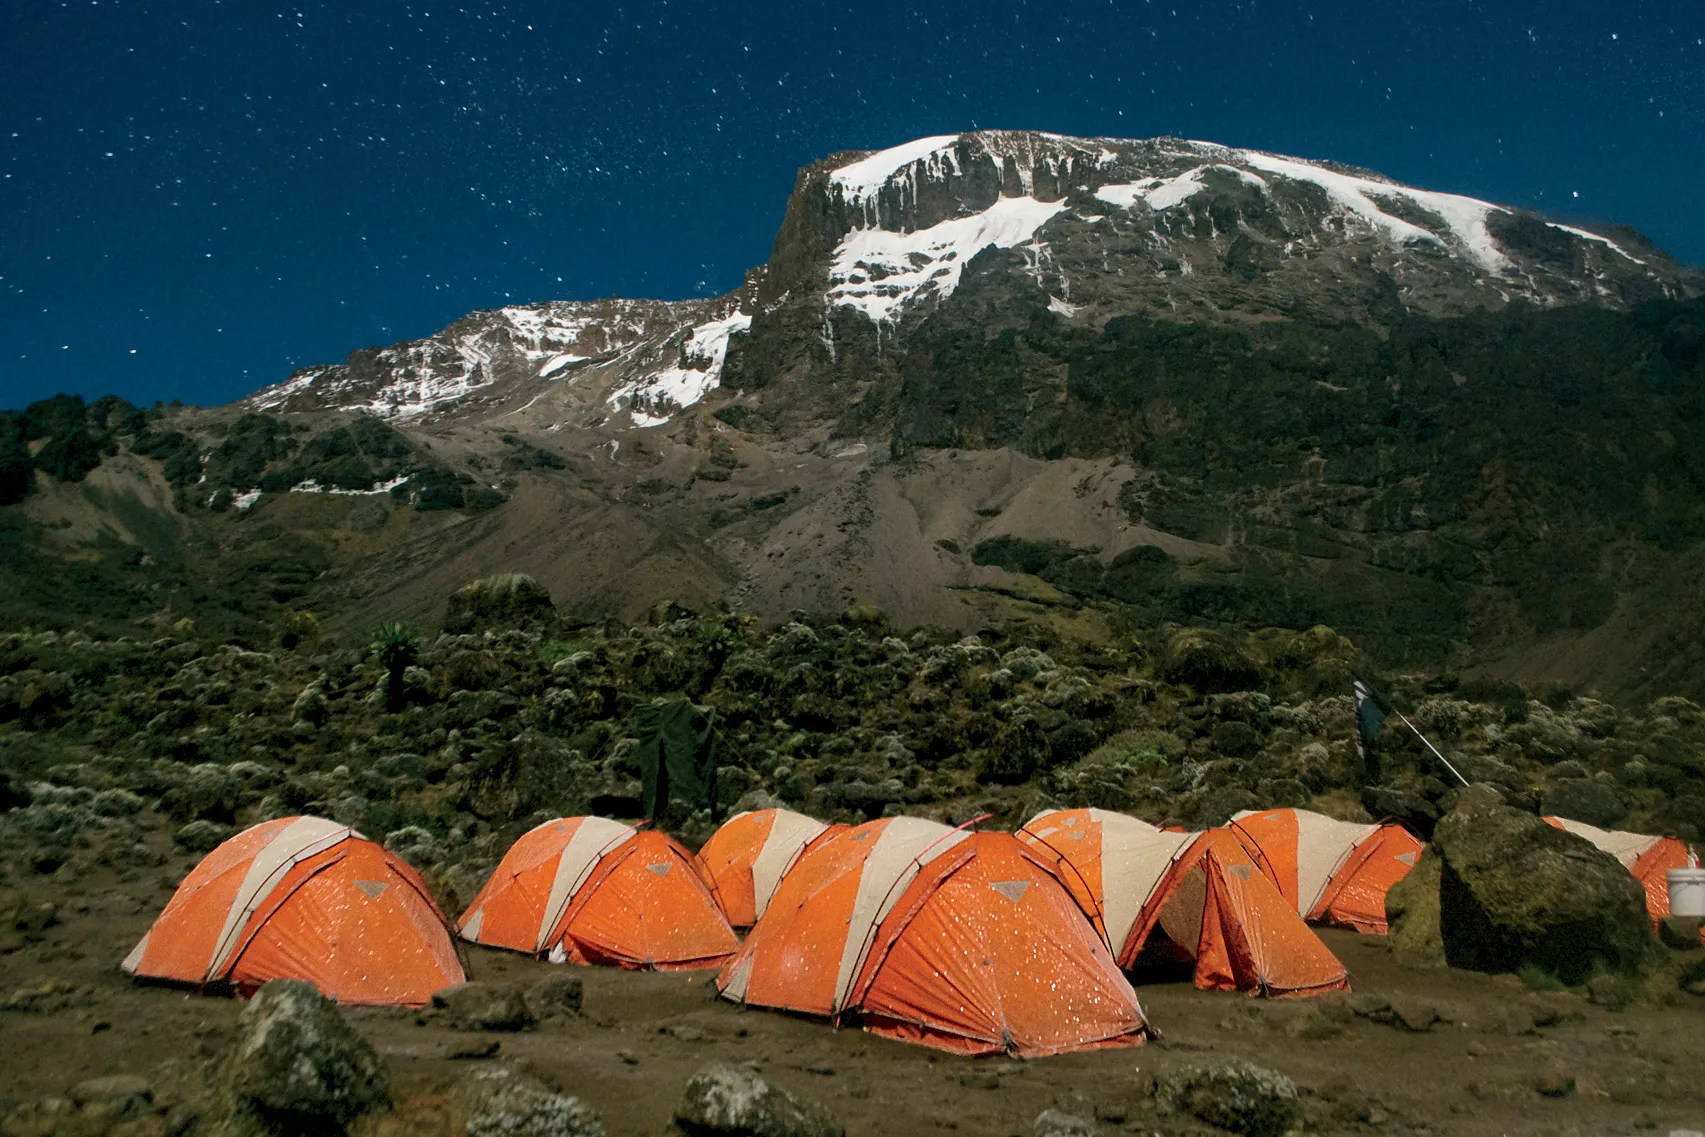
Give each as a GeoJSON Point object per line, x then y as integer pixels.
{"type": "Point", "coordinates": [196, 197]}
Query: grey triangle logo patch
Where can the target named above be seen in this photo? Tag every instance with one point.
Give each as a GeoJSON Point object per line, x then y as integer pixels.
{"type": "Point", "coordinates": [661, 868]}
{"type": "Point", "coordinates": [1241, 872]}
{"type": "Point", "coordinates": [373, 888]}
{"type": "Point", "coordinates": [860, 836]}
{"type": "Point", "coordinates": [1013, 890]}
{"type": "Point", "coordinates": [1407, 859]}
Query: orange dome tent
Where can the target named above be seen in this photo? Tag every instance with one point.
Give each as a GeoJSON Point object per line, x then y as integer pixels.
{"type": "Point", "coordinates": [1202, 892]}
{"type": "Point", "coordinates": [1331, 871]}
{"type": "Point", "coordinates": [303, 898]}
{"type": "Point", "coordinates": [966, 942]}
{"type": "Point", "coordinates": [595, 891]}
{"type": "Point", "coordinates": [750, 854]}
{"type": "Point", "coordinates": [1648, 858]}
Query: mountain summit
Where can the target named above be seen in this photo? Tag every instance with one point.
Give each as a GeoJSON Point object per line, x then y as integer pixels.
{"type": "Point", "coordinates": [873, 243]}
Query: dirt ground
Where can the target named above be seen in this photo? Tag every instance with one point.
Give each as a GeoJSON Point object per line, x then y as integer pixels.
{"type": "Point", "coordinates": [1477, 1071]}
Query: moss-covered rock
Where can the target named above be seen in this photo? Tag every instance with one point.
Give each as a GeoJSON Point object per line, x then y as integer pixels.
{"type": "Point", "coordinates": [514, 600]}
{"type": "Point", "coordinates": [1515, 891]}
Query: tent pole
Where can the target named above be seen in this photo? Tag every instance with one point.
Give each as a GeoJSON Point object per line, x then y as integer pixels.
{"type": "Point", "coordinates": [1431, 747]}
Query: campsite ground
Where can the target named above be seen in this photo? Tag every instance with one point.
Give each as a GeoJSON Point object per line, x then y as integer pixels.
{"type": "Point", "coordinates": [1484, 1068]}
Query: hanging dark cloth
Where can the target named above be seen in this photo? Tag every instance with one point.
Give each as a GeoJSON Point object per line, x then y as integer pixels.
{"type": "Point", "coordinates": [677, 755]}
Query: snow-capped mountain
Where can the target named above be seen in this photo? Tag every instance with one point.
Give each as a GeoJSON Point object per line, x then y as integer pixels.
{"type": "Point", "coordinates": [905, 221]}
{"type": "Point", "coordinates": [873, 244]}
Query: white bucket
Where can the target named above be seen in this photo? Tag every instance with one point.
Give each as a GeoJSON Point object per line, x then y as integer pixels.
{"type": "Point", "coordinates": [1687, 892]}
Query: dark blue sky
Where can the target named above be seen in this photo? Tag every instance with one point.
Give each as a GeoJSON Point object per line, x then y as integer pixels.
{"type": "Point", "coordinates": [196, 197]}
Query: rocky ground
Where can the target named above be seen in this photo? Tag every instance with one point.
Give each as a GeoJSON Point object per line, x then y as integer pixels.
{"type": "Point", "coordinates": [125, 760]}
{"type": "Point", "coordinates": [1411, 1051]}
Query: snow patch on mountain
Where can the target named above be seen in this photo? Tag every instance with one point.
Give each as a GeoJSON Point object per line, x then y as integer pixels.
{"type": "Point", "coordinates": [1590, 236]}
{"type": "Point", "coordinates": [866, 177]}
{"type": "Point", "coordinates": [1464, 217]}
{"type": "Point", "coordinates": [1164, 193]}
{"type": "Point", "coordinates": [881, 273]}
{"type": "Point", "coordinates": [653, 398]}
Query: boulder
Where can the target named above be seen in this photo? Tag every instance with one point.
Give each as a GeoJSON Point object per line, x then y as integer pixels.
{"type": "Point", "coordinates": [1412, 915]}
{"type": "Point", "coordinates": [1234, 1095]}
{"type": "Point", "coordinates": [1515, 891]}
{"type": "Point", "coordinates": [501, 1101]}
{"type": "Point", "coordinates": [732, 1101]}
{"type": "Point", "coordinates": [484, 1006]}
{"type": "Point", "coordinates": [514, 600]}
{"type": "Point", "coordinates": [296, 1067]}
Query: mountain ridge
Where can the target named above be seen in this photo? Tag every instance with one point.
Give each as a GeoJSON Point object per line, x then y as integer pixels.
{"type": "Point", "coordinates": [1107, 386]}
{"type": "Point", "coordinates": [884, 234]}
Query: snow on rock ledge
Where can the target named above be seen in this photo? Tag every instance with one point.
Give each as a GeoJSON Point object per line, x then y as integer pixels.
{"type": "Point", "coordinates": [881, 273]}
{"type": "Point", "coordinates": [653, 398]}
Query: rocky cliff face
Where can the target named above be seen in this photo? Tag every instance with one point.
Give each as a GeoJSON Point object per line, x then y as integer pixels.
{"type": "Point", "coordinates": [875, 245]}
{"type": "Point", "coordinates": [648, 357]}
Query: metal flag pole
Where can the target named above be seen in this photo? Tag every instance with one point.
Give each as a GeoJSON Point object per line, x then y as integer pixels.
{"type": "Point", "coordinates": [1431, 747]}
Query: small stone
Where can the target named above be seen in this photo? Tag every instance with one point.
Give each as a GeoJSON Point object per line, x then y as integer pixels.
{"type": "Point", "coordinates": [1555, 1083]}
{"type": "Point", "coordinates": [1057, 1123]}
{"type": "Point", "coordinates": [728, 1100]}
{"type": "Point", "coordinates": [555, 997]}
{"type": "Point", "coordinates": [684, 1032]}
{"type": "Point", "coordinates": [1477, 1049]}
{"type": "Point", "coordinates": [1414, 1015]}
{"type": "Point", "coordinates": [484, 1006]}
{"type": "Point", "coordinates": [821, 1070]}
{"type": "Point", "coordinates": [501, 1101]}
{"type": "Point", "coordinates": [1375, 1007]}
{"type": "Point", "coordinates": [1234, 1095]}
{"type": "Point", "coordinates": [1611, 992]}
{"type": "Point", "coordinates": [628, 1058]}
{"type": "Point", "coordinates": [115, 1097]}
{"type": "Point", "coordinates": [474, 1049]}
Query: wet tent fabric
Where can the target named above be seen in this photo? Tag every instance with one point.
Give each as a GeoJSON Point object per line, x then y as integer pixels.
{"type": "Point", "coordinates": [648, 904]}
{"type": "Point", "coordinates": [1109, 861]}
{"type": "Point", "coordinates": [1331, 871]}
{"type": "Point", "coordinates": [1217, 907]}
{"type": "Point", "coordinates": [1206, 895]}
{"type": "Point", "coordinates": [1648, 858]}
{"type": "Point", "coordinates": [591, 890]}
{"type": "Point", "coordinates": [750, 853]}
{"type": "Point", "coordinates": [522, 904]}
{"type": "Point", "coordinates": [986, 952]}
{"type": "Point", "coordinates": [805, 950]}
{"type": "Point", "coordinates": [303, 898]}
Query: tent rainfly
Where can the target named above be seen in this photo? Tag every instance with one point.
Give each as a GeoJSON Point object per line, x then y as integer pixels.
{"type": "Point", "coordinates": [966, 942]}
{"type": "Point", "coordinates": [303, 898]}
{"type": "Point", "coordinates": [1202, 893]}
{"type": "Point", "coordinates": [751, 852]}
{"type": "Point", "coordinates": [590, 890]}
{"type": "Point", "coordinates": [1648, 858]}
{"type": "Point", "coordinates": [1332, 872]}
